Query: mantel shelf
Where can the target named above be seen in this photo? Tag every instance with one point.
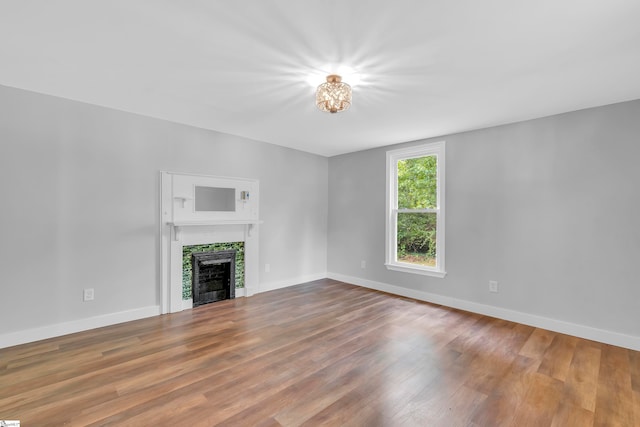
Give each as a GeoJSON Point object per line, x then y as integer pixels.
{"type": "Point", "coordinates": [215, 222]}
{"type": "Point", "coordinates": [178, 225]}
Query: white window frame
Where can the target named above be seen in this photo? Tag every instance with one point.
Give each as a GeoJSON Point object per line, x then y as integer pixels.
{"type": "Point", "coordinates": [393, 156]}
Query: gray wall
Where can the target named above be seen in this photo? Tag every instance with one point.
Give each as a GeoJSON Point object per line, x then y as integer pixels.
{"type": "Point", "coordinates": [550, 208]}
{"type": "Point", "coordinates": [547, 207]}
{"type": "Point", "coordinates": [80, 205]}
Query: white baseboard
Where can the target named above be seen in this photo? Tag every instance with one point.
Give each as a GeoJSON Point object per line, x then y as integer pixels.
{"type": "Point", "coordinates": [271, 286]}
{"type": "Point", "coordinates": [45, 332]}
{"type": "Point", "coordinates": [582, 331]}
{"type": "Point", "coordinates": [587, 332]}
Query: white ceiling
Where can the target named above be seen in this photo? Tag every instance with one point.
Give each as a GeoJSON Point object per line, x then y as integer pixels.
{"type": "Point", "coordinates": [420, 68]}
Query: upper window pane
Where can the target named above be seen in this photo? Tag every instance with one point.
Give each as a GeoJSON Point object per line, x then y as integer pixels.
{"type": "Point", "coordinates": [418, 183]}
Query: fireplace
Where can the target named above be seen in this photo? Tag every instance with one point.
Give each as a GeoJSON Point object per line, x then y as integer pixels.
{"type": "Point", "coordinates": [211, 220]}
{"type": "Point", "coordinates": [213, 276]}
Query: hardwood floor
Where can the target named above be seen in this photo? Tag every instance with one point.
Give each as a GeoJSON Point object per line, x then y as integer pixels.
{"type": "Point", "coordinates": [320, 353]}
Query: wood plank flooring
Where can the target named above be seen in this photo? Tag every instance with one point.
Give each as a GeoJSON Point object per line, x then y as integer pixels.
{"type": "Point", "coordinates": [320, 353]}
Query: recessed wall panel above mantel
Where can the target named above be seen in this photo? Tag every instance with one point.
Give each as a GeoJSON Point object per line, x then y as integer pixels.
{"type": "Point", "coordinates": [199, 198]}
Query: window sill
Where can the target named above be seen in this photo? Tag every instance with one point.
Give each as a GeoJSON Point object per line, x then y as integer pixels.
{"type": "Point", "coordinates": [405, 268]}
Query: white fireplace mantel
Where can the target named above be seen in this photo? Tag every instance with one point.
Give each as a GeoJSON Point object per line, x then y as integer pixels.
{"type": "Point", "coordinates": [184, 224]}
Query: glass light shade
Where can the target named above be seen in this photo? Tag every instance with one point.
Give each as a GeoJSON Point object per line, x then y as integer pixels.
{"type": "Point", "coordinates": [333, 96]}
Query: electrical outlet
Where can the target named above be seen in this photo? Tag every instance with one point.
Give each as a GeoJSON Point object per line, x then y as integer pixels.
{"type": "Point", "coordinates": [493, 286]}
{"type": "Point", "coordinates": [88, 294]}
{"type": "Point", "coordinates": [267, 268]}
{"type": "Point", "coordinates": [363, 264]}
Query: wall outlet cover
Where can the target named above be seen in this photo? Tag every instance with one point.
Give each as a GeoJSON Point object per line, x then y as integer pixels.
{"type": "Point", "coordinates": [493, 286]}
{"type": "Point", "coordinates": [88, 294]}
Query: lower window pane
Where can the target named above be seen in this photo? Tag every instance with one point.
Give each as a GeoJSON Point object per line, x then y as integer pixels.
{"type": "Point", "coordinates": [417, 238]}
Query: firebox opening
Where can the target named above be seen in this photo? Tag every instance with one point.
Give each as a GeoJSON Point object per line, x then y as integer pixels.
{"type": "Point", "coordinates": [187, 271]}
{"type": "Point", "coordinates": [213, 277]}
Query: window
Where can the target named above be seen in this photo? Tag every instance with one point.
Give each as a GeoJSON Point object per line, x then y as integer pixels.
{"type": "Point", "coordinates": [415, 209]}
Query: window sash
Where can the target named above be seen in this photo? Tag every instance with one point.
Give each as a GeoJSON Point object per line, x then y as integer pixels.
{"type": "Point", "coordinates": [395, 240]}
{"type": "Point", "coordinates": [435, 211]}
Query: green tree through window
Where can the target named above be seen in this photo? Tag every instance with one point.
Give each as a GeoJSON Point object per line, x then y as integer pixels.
{"type": "Point", "coordinates": [417, 190]}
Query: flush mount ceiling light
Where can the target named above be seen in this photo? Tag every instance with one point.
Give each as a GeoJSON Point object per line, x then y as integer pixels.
{"type": "Point", "coordinates": [333, 96]}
